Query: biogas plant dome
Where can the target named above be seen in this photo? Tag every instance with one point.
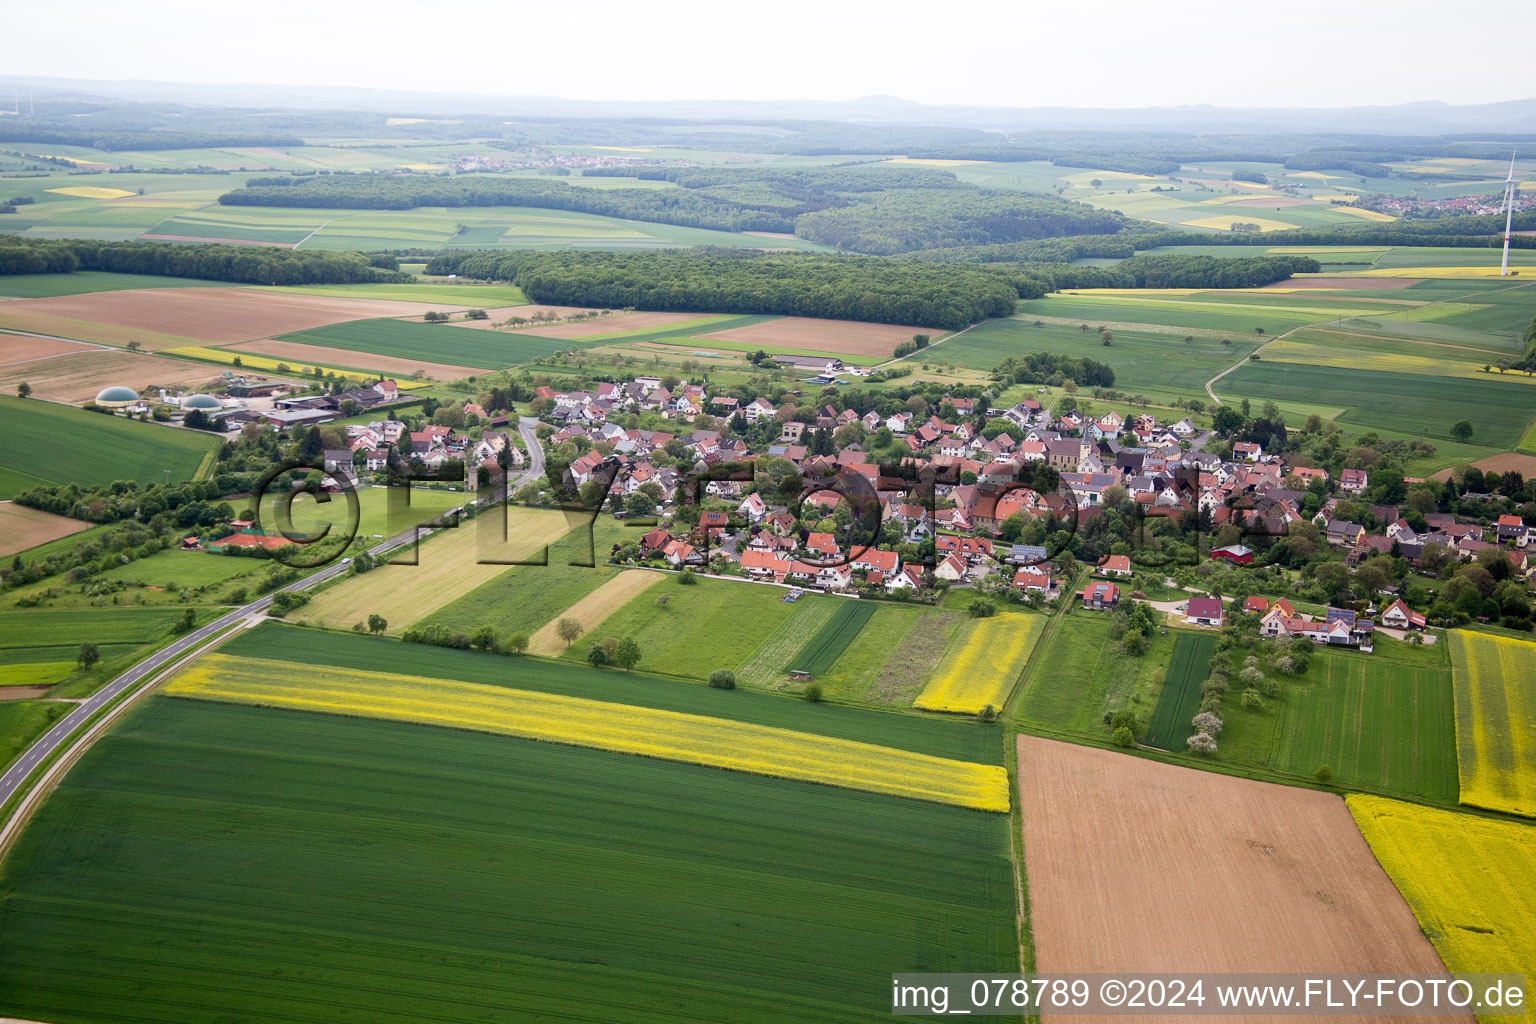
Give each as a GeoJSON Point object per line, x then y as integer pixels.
{"type": "Point", "coordinates": [200, 402]}
{"type": "Point", "coordinates": [117, 397]}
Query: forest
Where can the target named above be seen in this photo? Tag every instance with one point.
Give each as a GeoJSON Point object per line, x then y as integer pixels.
{"type": "Point", "coordinates": [240, 263]}
{"type": "Point", "coordinates": [746, 281]}
{"type": "Point", "coordinates": [142, 141]}
{"type": "Point", "coordinates": [1184, 271]}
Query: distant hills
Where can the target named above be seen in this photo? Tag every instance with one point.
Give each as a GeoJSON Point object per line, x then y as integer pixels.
{"type": "Point", "coordinates": [1425, 117]}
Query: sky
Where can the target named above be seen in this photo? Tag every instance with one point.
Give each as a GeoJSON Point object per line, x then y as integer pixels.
{"type": "Point", "coordinates": [1024, 53]}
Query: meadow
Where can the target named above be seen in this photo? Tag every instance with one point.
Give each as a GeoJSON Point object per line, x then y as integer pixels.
{"type": "Point", "coordinates": [712, 624]}
{"type": "Point", "coordinates": [832, 639]}
{"type": "Point", "coordinates": [1466, 878]}
{"type": "Point", "coordinates": [440, 343]}
{"type": "Point", "coordinates": [181, 570]}
{"type": "Point", "coordinates": [48, 443]}
{"type": "Point", "coordinates": [1188, 667]}
{"type": "Point", "coordinates": [983, 663]}
{"type": "Point", "coordinates": [578, 721]}
{"type": "Point", "coordinates": [347, 832]}
{"type": "Point", "coordinates": [22, 721]}
{"type": "Point", "coordinates": [1495, 684]}
{"type": "Point", "coordinates": [1083, 675]}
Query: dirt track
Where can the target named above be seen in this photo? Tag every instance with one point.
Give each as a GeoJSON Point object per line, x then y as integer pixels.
{"type": "Point", "coordinates": [1137, 866]}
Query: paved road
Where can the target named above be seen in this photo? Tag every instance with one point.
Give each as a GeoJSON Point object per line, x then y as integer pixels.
{"type": "Point", "coordinates": [50, 741]}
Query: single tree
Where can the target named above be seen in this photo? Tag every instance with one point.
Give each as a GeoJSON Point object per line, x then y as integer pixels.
{"type": "Point", "coordinates": [1461, 430]}
{"type": "Point", "coordinates": [377, 623]}
{"type": "Point", "coordinates": [813, 693]}
{"type": "Point", "coordinates": [1323, 775]}
{"type": "Point", "coordinates": [483, 638]}
{"type": "Point", "coordinates": [89, 655]}
{"type": "Point", "coordinates": [568, 630]}
{"type": "Point", "coordinates": [722, 679]}
{"type": "Point", "coordinates": [596, 656]}
{"type": "Point", "coordinates": [627, 654]}
{"type": "Point", "coordinates": [23, 390]}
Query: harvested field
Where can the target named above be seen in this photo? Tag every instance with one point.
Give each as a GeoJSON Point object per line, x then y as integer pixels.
{"type": "Point", "coordinates": [815, 335]}
{"type": "Point", "coordinates": [1386, 284]}
{"type": "Point", "coordinates": [1522, 464]}
{"type": "Point", "coordinates": [19, 348]}
{"type": "Point", "coordinates": [606, 324]}
{"type": "Point", "coordinates": [448, 568]}
{"type": "Point", "coordinates": [592, 609]}
{"type": "Point", "coordinates": [307, 355]}
{"type": "Point", "coordinates": [208, 314]}
{"type": "Point", "coordinates": [22, 528]}
{"type": "Point", "coordinates": [1152, 841]}
{"type": "Point", "coordinates": [22, 692]}
{"type": "Point", "coordinates": [78, 376]}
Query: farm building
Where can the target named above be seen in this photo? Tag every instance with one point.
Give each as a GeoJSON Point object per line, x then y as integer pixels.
{"type": "Point", "coordinates": [1235, 553]}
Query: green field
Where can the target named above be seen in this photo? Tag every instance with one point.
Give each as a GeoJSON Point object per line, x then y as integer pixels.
{"type": "Point", "coordinates": [1144, 362]}
{"type": "Point", "coordinates": [1379, 724]}
{"type": "Point", "coordinates": [270, 865]}
{"type": "Point", "coordinates": [525, 597]}
{"type": "Point", "coordinates": [1413, 404]}
{"type": "Point", "coordinates": [43, 286]}
{"type": "Point", "coordinates": [439, 293]}
{"type": "Point", "coordinates": [1084, 675]}
{"type": "Point", "coordinates": [712, 624]}
{"type": "Point", "coordinates": [832, 639]}
{"type": "Point", "coordinates": [440, 343]}
{"type": "Point", "coordinates": [765, 668]}
{"type": "Point", "coordinates": [38, 646]}
{"type": "Point", "coordinates": [1188, 667]}
{"type": "Point", "coordinates": [22, 721]}
{"type": "Point", "coordinates": [960, 740]}
{"type": "Point", "coordinates": [47, 443]}
{"type": "Point", "coordinates": [183, 569]}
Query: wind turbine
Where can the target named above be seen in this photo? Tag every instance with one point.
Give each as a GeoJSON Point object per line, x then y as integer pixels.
{"type": "Point", "coordinates": [1509, 214]}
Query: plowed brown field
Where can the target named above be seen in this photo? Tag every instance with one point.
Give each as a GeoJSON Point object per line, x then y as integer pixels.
{"type": "Point", "coordinates": [78, 376]}
{"type": "Point", "coordinates": [206, 314]}
{"type": "Point", "coordinates": [843, 337]}
{"type": "Point", "coordinates": [1137, 866]}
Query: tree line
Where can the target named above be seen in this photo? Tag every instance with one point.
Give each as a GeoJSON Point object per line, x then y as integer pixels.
{"type": "Point", "coordinates": [681, 207]}
{"type": "Point", "coordinates": [837, 287]}
{"type": "Point", "coordinates": [113, 141]}
{"type": "Point", "coordinates": [1173, 271]}
{"type": "Point", "coordinates": [244, 264]}
{"type": "Point", "coordinates": [1457, 232]}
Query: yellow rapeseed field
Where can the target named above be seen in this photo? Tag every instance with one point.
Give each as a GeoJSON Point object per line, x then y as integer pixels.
{"type": "Point", "coordinates": [982, 666]}
{"type": "Point", "coordinates": [1494, 679]}
{"type": "Point", "coordinates": [622, 728]}
{"type": "Point", "coordinates": [91, 192]}
{"type": "Point", "coordinates": [269, 365]}
{"type": "Point", "coordinates": [1364, 214]}
{"type": "Point", "coordinates": [1434, 272]}
{"type": "Point", "coordinates": [1225, 221]}
{"type": "Point", "coordinates": [1467, 879]}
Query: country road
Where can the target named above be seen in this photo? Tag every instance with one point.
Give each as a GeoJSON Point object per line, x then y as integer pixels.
{"type": "Point", "coordinates": [49, 742]}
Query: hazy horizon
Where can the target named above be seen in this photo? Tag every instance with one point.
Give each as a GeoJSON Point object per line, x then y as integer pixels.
{"type": "Point", "coordinates": [1119, 55]}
